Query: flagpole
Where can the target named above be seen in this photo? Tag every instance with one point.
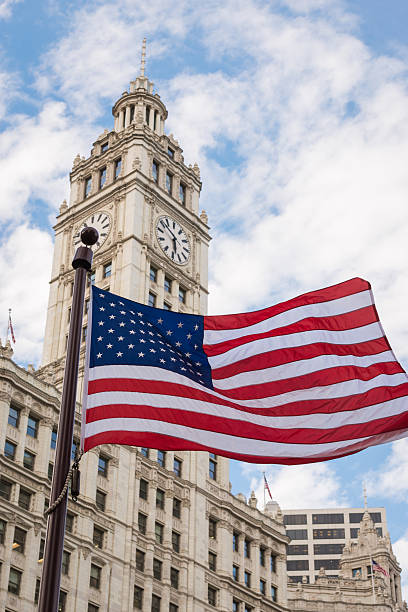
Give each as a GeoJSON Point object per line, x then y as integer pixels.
{"type": "Point", "coordinates": [264, 490]}
{"type": "Point", "coordinates": [54, 543]}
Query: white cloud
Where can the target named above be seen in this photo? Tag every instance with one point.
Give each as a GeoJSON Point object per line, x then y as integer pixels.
{"type": "Point", "coordinates": [392, 480]}
{"type": "Point", "coordinates": [303, 486]}
{"type": "Point", "coordinates": [401, 552]}
{"type": "Point", "coordinates": [35, 157]}
{"type": "Point", "coordinates": [6, 8]}
{"type": "Point", "coordinates": [25, 262]}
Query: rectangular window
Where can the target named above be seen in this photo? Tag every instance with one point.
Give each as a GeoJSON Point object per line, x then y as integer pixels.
{"type": "Point", "coordinates": [327, 564]}
{"type": "Point", "coordinates": [14, 582]}
{"type": "Point", "coordinates": [182, 295]}
{"type": "Point", "coordinates": [298, 564]}
{"type": "Point", "coordinates": [297, 534]}
{"type": "Point", "coordinates": [98, 535]}
{"type": "Point", "coordinates": [262, 556]}
{"type": "Point", "coordinates": [327, 519]}
{"type": "Point", "coordinates": [166, 306]}
{"type": "Point", "coordinates": [158, 532]}
{"type": "Point", "coordinates": [247, 548]}
{"type": "Point", "coordinates": [212, 596]}
{"type": "Point", "coordinates": [170, 153]}
{"type": "Point", "coordinates": [140, 560]}
{"type": "Point", "coordinates": [151, 300]}
{"type": "Point", "coordinates": [176, 507]}
{"type": "Point", "coordinates": [157, 569]}
{"type": "Point", "coordinates": [212, 561]}
{"type": "Point", "coordinates": [5, 489]}
{"type": "Point", "coordinates": [328, 549]}
{"type": "Point", "coordinates": [274, 593]}
{"type": "Point", "coordinates": [84, 332]}
{"type": "Point", "coordinates": [32, 427]}
{"type": "Point", "coordinates": [161, 458]}
{"type": "Point", "coordinates": [10, 450]}
{"type": "Point", "coordinates": [102, 177]}
{"type": "Point", "coordinates": [235, 541]}
{"type": "Point", "coordinates": [155, 172]}
{"type": "Point", "coordinates": [37, 590]}
{"type": "Point", "coordinates": [160, 499]}
{"type": "Point", "coordinates": [247, 579]}
{"type": "Point", "coordinates": [69, 523]}
{"type": "Point", "coordinates": [156, 603]}
{"type": "Point", "coordinates": [357, 517]}
{"type": "Point", "coordinates": [104, 147]}
{"type": "Point", "coordinates": [235, 605]}
{"type": "Point", "coordinates": [153, 274]}
{"type": "Point", "coordinates": [14, 416]}
{"type": "Point", "coordinates": [19, 540]}
{"type": "Point", "coordinates": [62, 601]}
{"type": "Point", "coordinates": [212, 529]}
{"type": "Point", "coordinates": [41, 551]}
{"type": "Point", "coordinates": [107, 270]}
{"type": "Point", "coordinates": [87, 186]}
{"type": "Point", "coordinates": [174, 578]}
{"type": "Point", "coordinates": [95, 576]}
{"type": "Point", "coordinates": [295, 519]}
{"type": "Point", "coordinates": [177, 467]}
{"type": "Point", "coordinates": [103, 465]}
{"type": "Point", "coordinates": [53, 443]}
{"type": "Point", "coordinates": [169, 182]}
{"type": "Point", "coordinates": [328, 534]}
{"type": "Point", "coordinates": [167, 284]}
{"type": "Point", "coordinates": [91, 278]}
{"type": "Point", "coordinates": [298, 549]}
{"type": "Point", "coordinates": [182, 194]}
{"type": "Point", "coordinates": [273, 563]}
{"type": "Point", "coordinates": [92, 607]}
{"type": "Point", "coordinates": [3, 526]}
{"type": "Point", "coordinates": [143, 489]}
{"type": "Point", "coordinates": [212, 466]}
{"type": "Point", "coordinates": [142, 523]}
{"type": "Point", "coordinates": [173, 608]}
{"type": "Point", "coordinates": [24, 499]}
{"type": "Point", "coordinates": [145, 452]}
{"type": "Point", "coordinates": [138, 598]}
{"type": "Point", "coordinates": [175, 541]}
{"type": "Point", "coordinates": [66, 557]}
{"type": "Point", "coordinates": [262, 586]}
{"type": "Point", "coordinates": [28, 460]}
{"type": "Point", "coordinates": [235, 572]}
{"type": "Point", "coordinates": [100, 500]}
{"type": "Point", "coordinates": [248, 608]}
{"type": "Point", "coordinates": [118, 167]}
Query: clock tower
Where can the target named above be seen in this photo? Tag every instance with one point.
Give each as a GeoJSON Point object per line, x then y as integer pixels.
{"type": "Point", "coordinates": [144, 201]}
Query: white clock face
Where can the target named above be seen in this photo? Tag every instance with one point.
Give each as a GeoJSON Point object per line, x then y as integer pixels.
{"type": "Point", "coordinates": [101, 221]}
{"type": "Point", "coordinates": [173, 240]}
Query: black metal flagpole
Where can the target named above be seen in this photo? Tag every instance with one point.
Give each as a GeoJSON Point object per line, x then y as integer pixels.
{"type": "Point", "coordinates": [54, 543]}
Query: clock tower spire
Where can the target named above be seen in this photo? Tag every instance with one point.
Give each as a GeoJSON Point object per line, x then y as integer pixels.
{"type": "Point", "coordinates": [135, 188]}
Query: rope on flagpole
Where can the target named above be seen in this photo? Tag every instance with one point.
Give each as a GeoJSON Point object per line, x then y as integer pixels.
{"type": "Point", "coordinates": [61, 496]}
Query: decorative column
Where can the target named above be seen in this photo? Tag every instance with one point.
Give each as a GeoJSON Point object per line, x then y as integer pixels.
{"type": "Point", "coordinates": [44, 445]}
{"type": "Point", "coordinates": [5, 399]}
{"type": "Point", "coordinates": [127, 116]}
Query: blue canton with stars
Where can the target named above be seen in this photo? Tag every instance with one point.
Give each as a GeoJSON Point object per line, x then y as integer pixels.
{"type": "Point", "coordinates": [128, 333]}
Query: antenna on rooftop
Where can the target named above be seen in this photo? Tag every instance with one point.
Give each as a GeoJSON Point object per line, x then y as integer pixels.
{"type": "Point", "coordinates": [143, 62]}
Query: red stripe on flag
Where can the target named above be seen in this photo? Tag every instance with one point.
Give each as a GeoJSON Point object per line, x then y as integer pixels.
{"type": "Point", "coordinates": [245, 429]}
{"type": "Point", "coordinates": [236, 321]}
{"type": "Point", "coordinates": [298, 353]}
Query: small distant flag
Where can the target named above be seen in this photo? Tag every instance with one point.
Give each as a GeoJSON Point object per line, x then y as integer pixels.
{"type": "Point", "coordinates": [10, 328]}
{"type": "Point", "coordinates": [266, 486]}
{"type": "Point", "coordinates": [377, 568]}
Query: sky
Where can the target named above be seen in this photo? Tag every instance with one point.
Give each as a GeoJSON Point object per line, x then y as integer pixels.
{"type": "Point", "coordinates": [296, 112]}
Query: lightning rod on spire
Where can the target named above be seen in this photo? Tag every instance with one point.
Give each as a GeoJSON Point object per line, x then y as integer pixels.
{"type": "Point", "coordinates": [143, 62]}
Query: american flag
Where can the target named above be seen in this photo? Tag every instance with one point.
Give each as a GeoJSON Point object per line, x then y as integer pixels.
{"type": "Point", "coordinates": [307, 380]}
{"type": "Point", "coordinates": [266, 487]}
{"type": "Point", "coordinates": [377, 568]}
